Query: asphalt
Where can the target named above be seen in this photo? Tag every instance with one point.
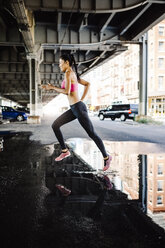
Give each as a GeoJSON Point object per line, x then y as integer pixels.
{"type": "Point", "coordinates": [87, 211]}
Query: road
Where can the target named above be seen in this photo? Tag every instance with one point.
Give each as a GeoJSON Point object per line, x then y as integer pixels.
{"type": "Point", "coordinates": [119, 131]}
{"type": "Point", "coordinates": [107, 130]}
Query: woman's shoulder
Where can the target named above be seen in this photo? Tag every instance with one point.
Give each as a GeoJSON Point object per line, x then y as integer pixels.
{"type": "Point", "coordinates": [70, 73]}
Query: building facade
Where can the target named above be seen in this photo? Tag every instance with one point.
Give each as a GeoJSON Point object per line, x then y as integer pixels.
{"type": "Point", "coordinates": [156, 182]}
{"type": "Point", "coordinates": [117, 79]}
{"type": "Point", "coordinates": [156, 188]}
{"type": "Point", "coordinates": [156, 71]}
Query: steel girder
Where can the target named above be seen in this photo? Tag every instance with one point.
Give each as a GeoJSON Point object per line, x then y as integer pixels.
{"type": "Point", "coordinates": [94, 30]}
{"type": "Point", "coordinates": [87, 6]}
{"type": "Point", "coordinates": [14, 74]}
{"type": "Point", "coordinates": [25, 22]}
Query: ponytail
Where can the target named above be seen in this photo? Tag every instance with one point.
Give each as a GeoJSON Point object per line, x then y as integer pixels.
{"type": "Point", "coordinates": [75, 66]}
{"type": "Point", "coordinates": [72, 62]}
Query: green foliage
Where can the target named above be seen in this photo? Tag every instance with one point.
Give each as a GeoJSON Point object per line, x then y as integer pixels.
{"type": "Point", "coordinates": [148, 121]}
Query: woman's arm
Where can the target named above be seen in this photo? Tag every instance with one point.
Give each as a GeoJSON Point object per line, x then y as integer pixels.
{"type": "Point", "coordinates": [86, 88]}
{"type": "Point", "coordinates": [65, 91]}
{"type": "Point", "coordinates": [52, 87]}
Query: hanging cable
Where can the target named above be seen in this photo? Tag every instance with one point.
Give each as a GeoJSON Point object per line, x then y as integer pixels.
{"type": "Point", "coordinates": [68, 22]}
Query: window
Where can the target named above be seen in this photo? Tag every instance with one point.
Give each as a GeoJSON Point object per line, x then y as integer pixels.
{"type": "Point", "coordinates": [159, 199]}
{"type": "Point", "coordinates": [6, 109]}
{"type": "Point", "coordinates": [160, 82]}
{"type": "Point", "coordinates": [160, 169]}
{"type": "Point", "coordinates": [160, 62]}
{"type": "Point", "coordinates": [160, 157]}
{"type": "Point", "coordinates": [156, 109]}
{"type": "Point", "coordinates": [110, 107]}
{"type": "Point", "coordinates": [161, 45]}
{"type": "Point", "coordinates": [151, 168]}
{"type": "Point", "coordinates": [161, 30]}
{"type": "Point", "coordinates": [160, 108]}
{"type": "Point", "coordinates": [152, 109]}
{"type": "Point", "coordinates": [150, 198]}
{"type": "Point", "coordinates": [160, 186]}
{"type": "Point", "coordinates": [150, 185]}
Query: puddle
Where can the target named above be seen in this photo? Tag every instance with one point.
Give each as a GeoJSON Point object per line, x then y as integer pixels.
{"type": "Point", "coordinates": [72, 203]}
{"type": "Point", "coordinates": [1, 144]}
{"type": "Point", "coordinates": [137, 169]}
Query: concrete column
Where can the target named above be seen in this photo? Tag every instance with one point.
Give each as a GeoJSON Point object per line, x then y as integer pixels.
{"type": "Point", "coordinates": [39, 102]}
{"type": "Point", "coordinates": [34, 118]}
{"type": "Point", "coordinates": [32, 88]}
{"type": "Point", "coordinates": [144, 183]}
{"type": "Point", "coordinates": [0, 101]}
{"type": "Point", "coordinates": [39, 110]}
{"type": "Point", "coordinates": [143, 187]}
{"type": "Point", "coordinates": [143, 75]}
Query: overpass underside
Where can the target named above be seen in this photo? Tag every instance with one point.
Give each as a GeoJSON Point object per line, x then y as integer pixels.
{"type": "Point", "coordinates": [33, 35]}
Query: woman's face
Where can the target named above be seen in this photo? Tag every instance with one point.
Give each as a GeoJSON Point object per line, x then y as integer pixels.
{"type": "Point", "coordinates": [63, 65]}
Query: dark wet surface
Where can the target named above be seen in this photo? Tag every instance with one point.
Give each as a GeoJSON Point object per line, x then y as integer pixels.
{"type": "Point", "coordinates": [103, 209]}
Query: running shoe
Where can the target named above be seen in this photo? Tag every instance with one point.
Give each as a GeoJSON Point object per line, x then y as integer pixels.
{"type": "Point", "coordinates": [63, 190]}
{"type": "Point", "coordinates": [63, 155]}
{"type": "Point", "coordinates": [107, 163]}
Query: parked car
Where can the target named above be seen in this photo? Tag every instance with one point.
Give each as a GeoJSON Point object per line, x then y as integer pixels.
{"type": "Point", "coordinates": [24, 109]}
{"type": "Point", "coordinates": [122, 111]}
{"type": "Point", "coordinates": [11, 113]}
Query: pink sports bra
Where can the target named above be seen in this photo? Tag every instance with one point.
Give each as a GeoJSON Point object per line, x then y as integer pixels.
{"type": "Point", "coordinates": [74, 87]}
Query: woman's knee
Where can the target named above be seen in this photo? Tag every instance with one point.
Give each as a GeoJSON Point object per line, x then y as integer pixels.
{"type": "Point", "coordinates": [55, 125]}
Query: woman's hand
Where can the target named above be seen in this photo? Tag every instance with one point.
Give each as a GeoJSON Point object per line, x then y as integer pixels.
{"type": "Point", "coordinates": [47, 87]}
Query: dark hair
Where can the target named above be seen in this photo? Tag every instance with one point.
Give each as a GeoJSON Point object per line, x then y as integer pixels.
{"type": "Point", "coordinates": [70, 58]}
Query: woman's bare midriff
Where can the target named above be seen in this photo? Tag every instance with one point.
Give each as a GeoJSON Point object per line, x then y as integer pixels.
{"type": "Point", "coordinates": [73, 98]}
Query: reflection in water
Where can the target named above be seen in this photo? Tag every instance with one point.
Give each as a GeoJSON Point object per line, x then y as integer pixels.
{"type": "Point", "coordinates": [44, 203]}
{"type": "Point", "coordinates": [141, 177]}
{"type": "Point", "coordinates": [124, 167]}
{"type": "Point", "coordinates": [1, 144]}
{"type": "Point", "coordinates": [156, 188]}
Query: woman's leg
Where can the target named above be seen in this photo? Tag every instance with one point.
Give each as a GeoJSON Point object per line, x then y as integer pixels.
{"type": "Point", "coordinates": [82, 115]}
{"type": "Point", "coordinates": [60, 121]}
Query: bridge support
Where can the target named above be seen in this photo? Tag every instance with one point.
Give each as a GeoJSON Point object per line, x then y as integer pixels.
{"type": "Point", "coordinates": [143, 182]}
{"type": "Point", "coordinates": [35, 117]}
{"type": "Point", "coordinates": [143, 76]}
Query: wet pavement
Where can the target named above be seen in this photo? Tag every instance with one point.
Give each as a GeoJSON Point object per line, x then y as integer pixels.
{"type": "Point", "coordinates": [72, 203]}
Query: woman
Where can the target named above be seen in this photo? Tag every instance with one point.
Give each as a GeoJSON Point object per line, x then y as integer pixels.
{"type": "Point", "coordinates": [77, 109]}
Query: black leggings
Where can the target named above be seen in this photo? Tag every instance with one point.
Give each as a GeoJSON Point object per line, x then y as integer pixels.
{"type": "Point", "coordinates": [77, 111]}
